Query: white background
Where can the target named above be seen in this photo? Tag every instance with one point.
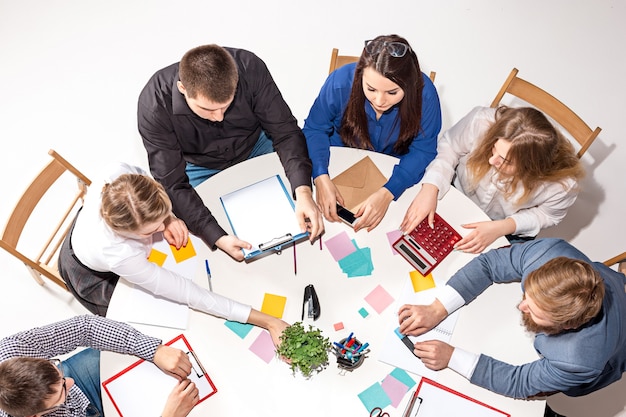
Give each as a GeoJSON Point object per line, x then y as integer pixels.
{"type": "Point", "coordinates": [71, 72]}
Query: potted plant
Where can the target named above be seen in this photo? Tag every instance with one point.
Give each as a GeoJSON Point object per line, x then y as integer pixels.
{"type": "Point", "coordinates": [304, 350]}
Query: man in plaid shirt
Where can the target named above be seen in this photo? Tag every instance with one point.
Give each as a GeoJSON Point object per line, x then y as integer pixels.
{"type": "Point", "coordinates": [34, 383]}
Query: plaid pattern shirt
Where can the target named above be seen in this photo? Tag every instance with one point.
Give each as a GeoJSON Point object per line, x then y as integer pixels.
{"type": "Point", "coordinates": [65, 336]}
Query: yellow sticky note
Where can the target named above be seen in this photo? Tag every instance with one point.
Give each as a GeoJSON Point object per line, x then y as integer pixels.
{"type": "Point", "coordinates": [184, 253]}
{"type": "Point", "coordinates": [157, 257]}
{"type": "Point", "coordinates": [421, 282]}
{"type": "Point", "coordinates": [274, 305]}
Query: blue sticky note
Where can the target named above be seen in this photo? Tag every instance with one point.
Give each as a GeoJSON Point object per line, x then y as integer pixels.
{"type": "Point", "coordinates": [363, 312]}
{"type": "Point", "coordinates": [240, 329]}
{"type": "Point", "coordinates": [402, 376]}
{"type": "Point", "coordinates": [358, 263]}
{"type": "Point", "coordinates": [397, 332]}
{"type": "Point", "coordinates": [374, 396]}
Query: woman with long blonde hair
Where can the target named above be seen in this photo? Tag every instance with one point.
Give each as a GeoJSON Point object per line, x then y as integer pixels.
{"type": "Point", "coordinates": [513, 163]}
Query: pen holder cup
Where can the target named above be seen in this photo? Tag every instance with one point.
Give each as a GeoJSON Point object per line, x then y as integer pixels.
{"type": "Point", "coordinates": [344, 362]}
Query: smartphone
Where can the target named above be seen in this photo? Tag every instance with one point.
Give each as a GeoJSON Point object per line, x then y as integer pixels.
{"type": "Point", "coordinates": [346, 215]}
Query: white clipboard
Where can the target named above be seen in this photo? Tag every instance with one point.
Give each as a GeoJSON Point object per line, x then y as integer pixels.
{"type": "Point", "coordinates": [263, 214]}
{"type": "Point", "coordinates": [142, 389]}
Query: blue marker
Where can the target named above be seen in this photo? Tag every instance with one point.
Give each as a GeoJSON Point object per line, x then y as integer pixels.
{"type": "Point", "coordinates": [340, 346]}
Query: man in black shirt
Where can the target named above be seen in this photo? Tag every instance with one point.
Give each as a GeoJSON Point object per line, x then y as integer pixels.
{"type": "Point", "coordinates": [216, 108]}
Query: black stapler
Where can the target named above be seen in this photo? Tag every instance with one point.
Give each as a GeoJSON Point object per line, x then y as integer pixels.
{"type": "Point", "coordinates": [311, 303]}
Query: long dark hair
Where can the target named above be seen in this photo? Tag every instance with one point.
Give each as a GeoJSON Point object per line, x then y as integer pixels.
{"type": "Point", "coordinates": [405, 72]}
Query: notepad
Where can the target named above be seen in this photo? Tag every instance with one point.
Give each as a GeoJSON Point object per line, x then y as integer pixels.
{"type": "Point", "coordinates": [394, 351]}
{"type": "Point", "coordinates": [142, 389]}
{"type": "Point", "coordinates": [263, 214]}
{"type": "Point", "coordinates": [438, 400]}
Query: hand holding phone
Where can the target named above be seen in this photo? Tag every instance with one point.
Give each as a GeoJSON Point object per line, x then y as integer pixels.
{"type": "Point", "coordinates": [345, 215]}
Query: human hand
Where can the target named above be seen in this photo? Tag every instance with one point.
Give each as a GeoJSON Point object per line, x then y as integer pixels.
{"type": "Point", "coordinates": [308, 214]}
{"type": "Point", "coordinates": [484, 234]}
{"type": "Point", "coordinates": [372, 210]}
{"type": "Point", "coordinates": [434, 354]}
{"type": "Point", "coordinates": [176, 232]}
{"type": "Point", "coordinates": [418, 319]}
{"type": "Point", "coordinates": [172, 361]}
{"type": "Point", "coordinates": [327, 196]}
{"type": "Point", "coordinates": [424, 204]}
{"type": "Point", "coordinates": [276, 328]}
{"type": "Point", "coordinates": [181, 400]}
{"type": "Point", "coordinates": [233, 246]}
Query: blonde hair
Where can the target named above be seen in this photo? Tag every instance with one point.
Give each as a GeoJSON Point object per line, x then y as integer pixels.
{"type": "Point", "coordinates": [539, 152]}
{"type": "Point", "coordinates": [133, 200]}
{"type": "Point", "coordinates": [569, 291]}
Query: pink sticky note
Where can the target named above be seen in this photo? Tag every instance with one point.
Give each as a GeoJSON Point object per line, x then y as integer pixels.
{"type": "Point", "coordinates": [394, 389]}
{"type": "Point", "coordinates": [393, 236]}
{"type": "Point", "coordinates": [340, 246]}
{"type": "Point", "coordinates": [263, 346]}
{"type": "Point", "coordinates": [379, 299]}
{"type": "Point", "coordinates": [338, 326]}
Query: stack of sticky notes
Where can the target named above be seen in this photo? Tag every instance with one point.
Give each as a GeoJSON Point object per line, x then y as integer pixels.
{"type": "Point", "coordinates": [353, 261]}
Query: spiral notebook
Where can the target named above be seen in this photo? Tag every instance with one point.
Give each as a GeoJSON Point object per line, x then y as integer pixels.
{"type": "Point", "coordinates": [395, 351]}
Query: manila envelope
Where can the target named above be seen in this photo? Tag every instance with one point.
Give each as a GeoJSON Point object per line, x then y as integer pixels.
{"type": "Point", "coordinates": [359, 182]}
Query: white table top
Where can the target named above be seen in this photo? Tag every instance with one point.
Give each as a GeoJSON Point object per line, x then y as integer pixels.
{"type": "Point", "coordinates": [249, 386]}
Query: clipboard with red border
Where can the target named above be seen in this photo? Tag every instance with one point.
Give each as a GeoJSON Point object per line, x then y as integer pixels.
{"type": "Point", "coordinates": [135, 389]}
{"type": "Point", "coordinates": [439, 400]}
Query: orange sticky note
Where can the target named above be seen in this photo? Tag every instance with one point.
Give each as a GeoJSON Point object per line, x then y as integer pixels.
{"type": "Point", "coordinates": [421, 282]}
{"type": "Point", "coordinates": [157, 257]}
{"type": "Point", "coordinates": [274, 305]}
{"type": "Point", "coordinates": [184, 253]}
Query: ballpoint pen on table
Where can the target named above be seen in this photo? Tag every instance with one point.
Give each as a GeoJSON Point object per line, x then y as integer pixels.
{"type": "Point", "coordinates": [208, 274]}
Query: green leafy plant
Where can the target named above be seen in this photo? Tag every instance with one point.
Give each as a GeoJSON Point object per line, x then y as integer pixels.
{"type": "Point", "coordinates": [305, 350]}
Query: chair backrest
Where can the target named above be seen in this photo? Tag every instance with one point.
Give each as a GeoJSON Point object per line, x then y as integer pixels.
{"type": "Point", "coordinates": [337, 61]}
{"type": "Point", "coordinates": [44, 263]}
{"type": "Point", "coordinates": [615, 259]}
{"type": "Point", "coordinates": [551, 106]}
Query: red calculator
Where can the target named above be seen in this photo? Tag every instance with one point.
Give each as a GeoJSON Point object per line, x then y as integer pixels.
{"type": "Point", "coordinates": [425, 247]}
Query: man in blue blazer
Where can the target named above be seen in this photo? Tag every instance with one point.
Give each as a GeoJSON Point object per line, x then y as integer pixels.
{"type": "Point", "coordinates": [575, 307]}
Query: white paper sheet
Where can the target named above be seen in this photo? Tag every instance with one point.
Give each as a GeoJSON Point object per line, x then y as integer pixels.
{"type": "Point", "coordinates": [261, 213]}
{"type": "Point", "coordinates": [144, 307]}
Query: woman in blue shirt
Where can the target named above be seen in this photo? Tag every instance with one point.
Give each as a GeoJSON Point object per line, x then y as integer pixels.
{"type": "Point", "coordinates": [382, 103]}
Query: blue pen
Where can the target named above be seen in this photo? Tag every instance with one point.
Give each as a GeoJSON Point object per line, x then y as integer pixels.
{"type": "Point", "coordinates": [208, 274]}
{"type": "Point", "coordinates": [340, 346]}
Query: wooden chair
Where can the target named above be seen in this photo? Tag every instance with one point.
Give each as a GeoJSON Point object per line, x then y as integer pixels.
{"type": "Point", "coordinates": [337, 61]}
{"type": "Point", "coordinates": [615, 259]}
{"type": "Point", "coordinates": [551, 106]}
{"type": "Point", "coordinates": [44, 263]}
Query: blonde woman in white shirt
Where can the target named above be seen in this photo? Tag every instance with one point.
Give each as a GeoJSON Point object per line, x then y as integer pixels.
{"type": "Point", "coordinates": [112, 237]}
{"type": "Point", "coordinates": [513, 163]}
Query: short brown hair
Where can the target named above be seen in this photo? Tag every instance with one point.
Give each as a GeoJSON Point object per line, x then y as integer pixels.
{"type": "Point", "coordinates": [26, 384]}
{"type": "Point", "coordinates": [133, 200]}
{"type": "Point", "coordinates": [569, 291]}
{"type": "Point", "coordinates": [209, 71]}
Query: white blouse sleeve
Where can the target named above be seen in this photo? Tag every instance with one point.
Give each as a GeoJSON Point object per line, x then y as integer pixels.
{"type": "Point", "coordinates": [457, 142]}
{"type": "Point", "coordinates": [547, 208]}
{"type": "Point", "coordinates": [167, 284]}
